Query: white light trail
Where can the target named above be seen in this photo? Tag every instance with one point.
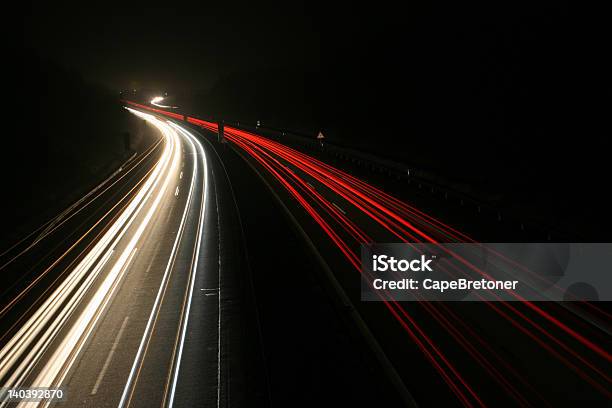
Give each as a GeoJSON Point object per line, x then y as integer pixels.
{"type": "Point", "coordinates": [128, 389]}
{"type": "Point", "coordinates": [25, 349]}
{"type": "Point", "coordinates": [155, 101]}
{"type": "Point", "coordinates": [192, 141]}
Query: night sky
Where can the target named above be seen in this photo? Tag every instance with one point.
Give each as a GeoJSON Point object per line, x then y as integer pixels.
{"type": "Point", "coordinates": [503, 104]}
{"type": "Point", "coordinates": [176, 47]}
{"type": "Point", "coordinates": [186, 46]}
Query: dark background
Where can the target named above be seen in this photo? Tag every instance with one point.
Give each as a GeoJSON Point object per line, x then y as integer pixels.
{"type": "Point", "coordinates": [510, 99]}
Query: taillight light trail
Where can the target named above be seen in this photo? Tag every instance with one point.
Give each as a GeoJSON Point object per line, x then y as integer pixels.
{"type": "Point", "coordinates": [409, 224]}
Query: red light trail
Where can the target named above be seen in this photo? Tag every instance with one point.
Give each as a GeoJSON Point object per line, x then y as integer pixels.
{"type": "Point", "coordinates": [293, 170]}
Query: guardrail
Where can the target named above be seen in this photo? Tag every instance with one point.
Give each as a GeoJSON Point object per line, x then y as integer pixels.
{"type": "Point", "coordinates": [421, 179]}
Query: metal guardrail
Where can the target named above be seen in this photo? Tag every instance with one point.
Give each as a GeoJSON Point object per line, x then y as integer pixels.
{"type": "Point", "coordinates": [422, 179]}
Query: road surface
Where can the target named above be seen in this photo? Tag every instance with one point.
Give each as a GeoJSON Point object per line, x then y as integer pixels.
{"type": "Point", "coordinates": [477, 352]}
{"type": "Point", "coordinates": [136, 317]}
{"type": "Point", "coordinates": [182, 286]}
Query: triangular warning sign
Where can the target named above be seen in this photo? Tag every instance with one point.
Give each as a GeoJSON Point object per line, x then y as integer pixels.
{"type": "Point", "coordinates": [320, 136]}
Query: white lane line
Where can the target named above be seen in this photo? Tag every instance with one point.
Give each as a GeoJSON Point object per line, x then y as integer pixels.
{"type": "Point", "coordinates": [75, 349]}
{"type": "Point", "coordinates": [170, 214]}
{"type": "Point", "coordinates": [45, 312]}
{"type": "Point", "coordinates": [181, 176]}
{"type": "Point", "coordinates": [193, 141]}
{"type": "Point", "coordinates": [218, 306]}
{"type": "Point", "coordinates": [35, 351]}
{"type": "Point", "coordinates": [156, 304]}
{"type": "Point", "coordinates": [25, 342]}
{"type": "Point", "coordinates": [153, 253]}
{"type": "Point", "coordinates": [176, 192]}
{"type": "Point", "coordinates": [339, 208]}
{"type": "Point", "coordinates": [110, 356]}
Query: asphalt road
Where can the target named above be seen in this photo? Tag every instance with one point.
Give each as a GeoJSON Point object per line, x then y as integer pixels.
{"type": "Point", "coordinates": [443, 353]}
{"type": "Point", "coordinates": [135, 315]}
{"type": "Point", "coordinates": [228, 274]}
{"type": "Point", "coordinates": [434, 354]}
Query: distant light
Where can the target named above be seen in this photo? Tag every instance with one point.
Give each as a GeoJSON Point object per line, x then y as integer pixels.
{"type": "Point", "coordinates": [156, 101]}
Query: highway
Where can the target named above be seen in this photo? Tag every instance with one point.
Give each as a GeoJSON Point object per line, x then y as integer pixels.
{"type": "Point", "coordinates": [222, 273]}
{"type": "Point", "coordinates": [136, 316]}
{"type": "Point", "coordinates": [462, 343]}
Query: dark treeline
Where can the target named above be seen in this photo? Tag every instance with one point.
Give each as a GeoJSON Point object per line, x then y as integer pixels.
{"type": "Point", "coordinates": [68, 135]}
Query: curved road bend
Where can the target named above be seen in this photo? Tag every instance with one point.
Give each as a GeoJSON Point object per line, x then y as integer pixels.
{"type": "Point", "coordinates": [142, 316]}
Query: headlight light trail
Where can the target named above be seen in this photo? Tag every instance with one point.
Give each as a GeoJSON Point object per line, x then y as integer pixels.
{"type": "Point", "coordinates": [25, 349]}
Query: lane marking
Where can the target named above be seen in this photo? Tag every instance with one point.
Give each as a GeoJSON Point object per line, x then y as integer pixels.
{"type": "Point", "coordinates": [176, 192]}
{"type": "Point", "coordinates": [339, 208]}
{"type": "Point", "coordinates": [109, 357]}
{"type": "Point", "coordinates": [194, 141]}
{"type": "Point", "coordinates": [218, 304]}
{"type": "Point", "coordinates": [128, 389]}
{"type": "Point", "coordinates": [153, 256]}
{"type": "Point", "coordinates": [191, 269]}
{"type": "Point", "coordinates": [37, 351]}
{"type": "Point", "coordinates": [170, 213]}
{"type": "Point", "coordinates": [23, 339]}
{"type": "Point", "coordinates": [181, 176]}
{"type": "Point", "coordinates": [68, 346]}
